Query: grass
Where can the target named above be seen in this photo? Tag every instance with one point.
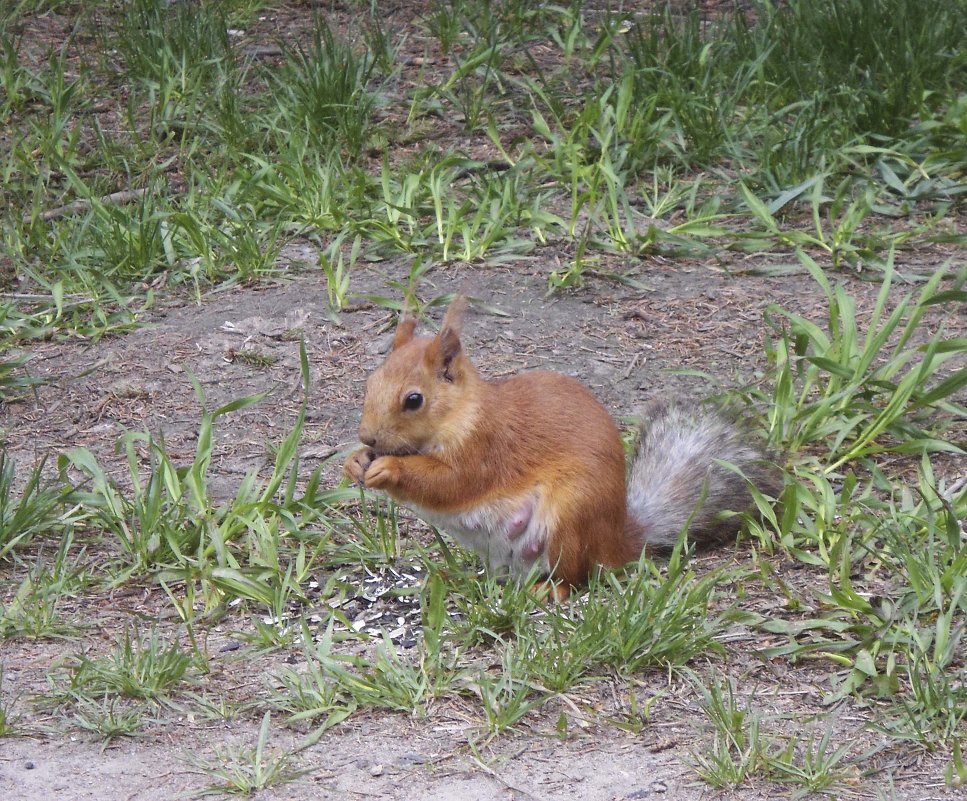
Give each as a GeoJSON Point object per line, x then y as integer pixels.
{"type": "Point", "coordinates": [325, 89]}
{"type": "Point", "coordinates": [259, 149]}
{"type": "Point", "coordinates": [244, 771]}
{"type": "Point", "coordinates": [107, 719]}
{"type": "Point", "coordinates": [139, 667]}
{"type": "Point", "coordinates": [37, 506]}
{"type": "Point", "coordinates": [157, 150]}
{"type": "Point", "coordinates": [743, 749]}
{"type": "Point", "coordinates": [8, 717]}
{"type": "Point", "coordinates": [35, 608]}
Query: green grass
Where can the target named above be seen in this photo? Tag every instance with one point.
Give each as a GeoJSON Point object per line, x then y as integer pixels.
{"type": "Point", "coordinates": [743, 749]}
{"type": "Point", "coordinates": [139, 667]}
{"type": "Point", "coordinates": [38, 505]}
{"type": "Point", "coordinates": [35, 607]}
{"type": "Point", "coordinates": [258, 150]}
{"type": "Point", "coordinates": [107, 719]}
{"type": "Point", "coordinates": [242, 770]}
{"type": "Point", "coordinates": [324, 91]}
{"type": "Point", "coordinates": [826, 138]}
{"type": "Point", "coordinates": [8, 717]}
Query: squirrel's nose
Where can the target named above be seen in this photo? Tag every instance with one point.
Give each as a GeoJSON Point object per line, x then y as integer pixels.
{"type": "Point", "coordinates": [367, 437]}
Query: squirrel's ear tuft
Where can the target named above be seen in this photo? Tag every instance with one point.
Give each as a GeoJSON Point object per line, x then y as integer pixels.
{"type": "Point", "coordinates": [453, 319]}
{"type": "Point", "coordinates": [449, 336]}
{"type": "Point", "coordinates": [404, 331]}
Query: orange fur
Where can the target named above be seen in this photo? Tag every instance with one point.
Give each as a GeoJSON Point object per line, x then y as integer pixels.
{"type": "Point", "coordinates": [475, 442]}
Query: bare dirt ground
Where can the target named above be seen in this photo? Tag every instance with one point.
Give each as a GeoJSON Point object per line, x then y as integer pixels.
{"type": "Point", "coordinates": [616, 339]}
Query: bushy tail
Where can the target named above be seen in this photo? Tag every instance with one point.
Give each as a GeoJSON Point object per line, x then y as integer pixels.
{"type": "Point", "coordinates": [676, 478]}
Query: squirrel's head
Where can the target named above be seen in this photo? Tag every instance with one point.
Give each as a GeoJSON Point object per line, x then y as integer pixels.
{"type": "Point", "coordinates": [423, 398]}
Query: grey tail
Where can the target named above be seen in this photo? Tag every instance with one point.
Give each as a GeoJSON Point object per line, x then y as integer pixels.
{"type": "Point", "coordinates": [676, 478]}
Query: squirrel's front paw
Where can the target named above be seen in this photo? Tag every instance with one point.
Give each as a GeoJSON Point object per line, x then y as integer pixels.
{"type": "Point", "coordinates": [383, 472]}
{"type": "Point", "coordinates": [357, 464]}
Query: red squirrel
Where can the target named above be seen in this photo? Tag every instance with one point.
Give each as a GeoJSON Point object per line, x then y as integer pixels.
{"type": "Point", "coordinates": [531, 469]}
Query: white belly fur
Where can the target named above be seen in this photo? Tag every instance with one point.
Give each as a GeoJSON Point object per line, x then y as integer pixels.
{"type": "Point", "coordinates": [485, 531]}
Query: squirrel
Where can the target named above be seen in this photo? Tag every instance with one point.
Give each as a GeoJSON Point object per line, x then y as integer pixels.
{"type": "Point", "coordinates": [531, 469]}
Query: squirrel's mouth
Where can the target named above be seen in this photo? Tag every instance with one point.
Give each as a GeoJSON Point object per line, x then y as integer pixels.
{"type": "Point", "coordinates": [377, 452]}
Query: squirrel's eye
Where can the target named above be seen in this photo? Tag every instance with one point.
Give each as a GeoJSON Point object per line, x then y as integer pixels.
{"type": "Point", "coordinates": [413, 401]}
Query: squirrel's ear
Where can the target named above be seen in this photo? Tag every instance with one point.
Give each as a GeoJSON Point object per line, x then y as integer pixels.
{"type": "Point", "coordinates": [449, 336]}
{"type": "Point", "coordinates": [404, 331]}
{"type": "Point", "coordinates": [453, 319]}
{"type": "Point", "coordinates": [450, 348]}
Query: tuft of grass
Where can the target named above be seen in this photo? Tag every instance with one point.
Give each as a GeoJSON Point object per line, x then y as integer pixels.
{"type": "Point", "coordinates": [702, 76]}
{"type": "Point", "coordinates": [37, 507]}
{"type": "Point", "coordinates": [162, 45]}
{"type": "Point", "coordinates": [654, 617]}
{"type": "Point", "coordinates": [377, 530]}
{"type": "Point", "coordinates": [35, 608]}
{"type": "Point", "coordinates": [338, 271]}
{"type": "Point", "coordinates": [469, 89]}
{"type": "Point", "coordinates": [8, 717]}
{"type": "Point", "coordinates": [507, 694]}
{"type": "Point", "coordinates": [311, 695]}
{"type": "Point", "coordinates": [15, 78]}
{"type": "Point", "coordinates": [488, 610]}
{"type": "Point", "coordinates": [243, 770]}
{"type": "Point", "coordinates": [326, 93]}
{"type": "Point", "coordinates": [388, 681]}
{"type": "Point", "coordinates": [739, 749]}
{"type": "Point", "coordinates": [139, 667]}
{"type": "Point", "coordinates": [875, 381]}
{"type": "Point", "coordinates": [742, 750]}
{"type": "Point", "coordinates": [931, 707]}
{"type": "Point", "coordinates": [13, 381]}
{"type": "Point", "coordinates": [108, 718]}
{"type": "Point", "coordinates": [443, 22]}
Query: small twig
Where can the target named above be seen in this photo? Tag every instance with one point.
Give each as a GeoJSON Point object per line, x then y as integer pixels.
{"type": "Point", "coordinates": [124, 196]}
{"type": "Point", "coordinates": [956, 486]}
{"type": "Point", "coordinates": [634, 364]}
{"type": "Point", "coordinates": [264, 51]}
{"type": "Point", "coordinates": [32, 296]}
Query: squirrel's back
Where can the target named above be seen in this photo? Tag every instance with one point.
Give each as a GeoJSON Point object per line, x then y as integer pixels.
{"type": "Point", "coordinates": [548, 416]}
